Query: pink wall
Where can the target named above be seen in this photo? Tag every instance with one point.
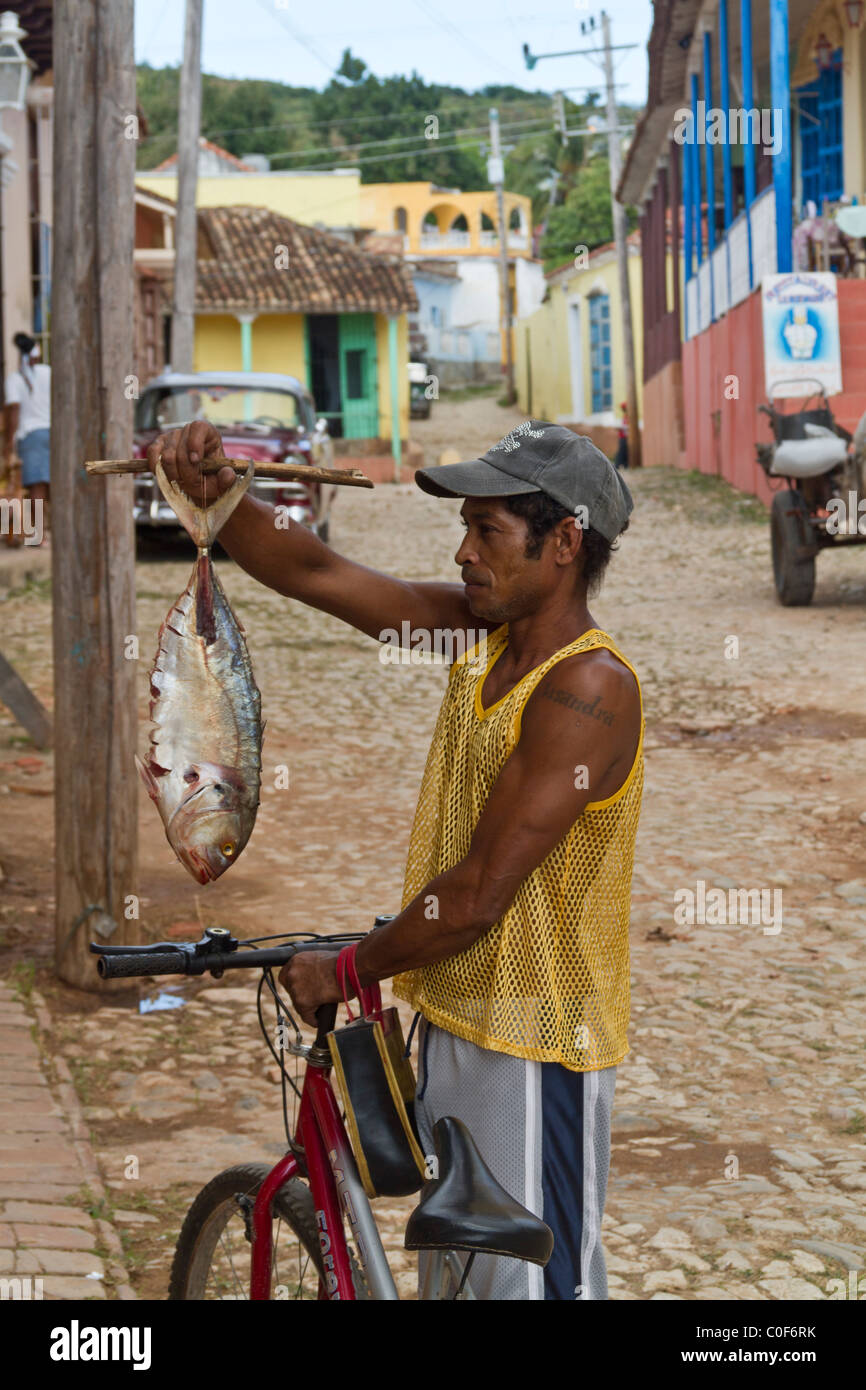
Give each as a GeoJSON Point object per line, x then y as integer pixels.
{"type": "Point", "coordinates": [734, 346]}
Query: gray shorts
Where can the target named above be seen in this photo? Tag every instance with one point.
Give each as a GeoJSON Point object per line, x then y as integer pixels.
{"type": "Point", "coordinates": [544, 1133]}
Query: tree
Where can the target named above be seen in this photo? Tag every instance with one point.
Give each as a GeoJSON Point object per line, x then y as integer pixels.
{"type": "Point", "coordinates": [389, 118]}
{"type": "Point", "coordinates": [537, 162]}
{"type": "Point", "coordinates": [351, 68]}
{"type": "Point", "coordinates": [585, 218]}
{"type": "Point", "coordinates": [243, 115]}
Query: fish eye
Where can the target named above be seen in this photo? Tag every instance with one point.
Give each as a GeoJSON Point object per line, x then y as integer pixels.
{"type": "Point", "coordinates": [228, 850]}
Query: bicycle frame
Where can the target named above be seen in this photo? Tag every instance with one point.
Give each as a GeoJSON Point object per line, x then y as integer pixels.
{"type": "Point", "coordinates": [336, 1187]}
{"type": "Point", "coordinates": [329, 1164]}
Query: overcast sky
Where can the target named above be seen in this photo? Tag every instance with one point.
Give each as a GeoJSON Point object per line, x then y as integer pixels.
{"type": "Point", "coordinates": [468, 43]}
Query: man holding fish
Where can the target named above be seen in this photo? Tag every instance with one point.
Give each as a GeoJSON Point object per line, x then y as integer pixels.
{"type": "Point", "coordinates": [512, 941]}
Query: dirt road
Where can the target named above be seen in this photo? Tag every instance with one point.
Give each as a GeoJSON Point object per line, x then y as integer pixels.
{"type": "Point", "coordinates": [738, 1165]}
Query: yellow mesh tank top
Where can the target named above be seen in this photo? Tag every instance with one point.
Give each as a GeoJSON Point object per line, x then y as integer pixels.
{"type": "Point", "coordinates": [550, 980]}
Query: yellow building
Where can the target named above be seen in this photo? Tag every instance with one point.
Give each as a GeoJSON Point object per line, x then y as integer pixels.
{"type": "Point", "coordinates": [445, 221]}
{"type": "Point", "coordinates": [273, 295]}
{"type": "Point", "coordinates": [461, 323]}
{"type": "Point", "coordinates": [330, 198]}
{"type": "Point", "coordinates": [570, 365]}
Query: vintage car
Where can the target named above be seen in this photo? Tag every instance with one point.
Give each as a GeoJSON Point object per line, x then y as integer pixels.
{"type": "Point", "coordinates": [261, 416]}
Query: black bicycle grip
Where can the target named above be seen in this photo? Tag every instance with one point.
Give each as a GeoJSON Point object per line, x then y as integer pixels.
{"type": "Point", "coordinates": [164, 963]}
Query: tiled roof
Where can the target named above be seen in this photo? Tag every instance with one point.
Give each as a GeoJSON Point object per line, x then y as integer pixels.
{"type": "Point", "coordinates": [323, 274]}
{"type": "Point", "coordinates": [224, 155]}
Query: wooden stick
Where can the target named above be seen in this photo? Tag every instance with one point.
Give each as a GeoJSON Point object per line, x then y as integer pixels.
{"type": "Point", "coordinates": [28, 710]}
{"type": "Point", "coordinates": [348, 477]}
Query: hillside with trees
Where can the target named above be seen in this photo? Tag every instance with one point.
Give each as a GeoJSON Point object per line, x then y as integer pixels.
{"type": "Point", "coordinates": [403, 128]}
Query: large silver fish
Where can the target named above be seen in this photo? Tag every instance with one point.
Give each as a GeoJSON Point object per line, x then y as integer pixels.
{"type": "Point", "coordinates": [203, 766]}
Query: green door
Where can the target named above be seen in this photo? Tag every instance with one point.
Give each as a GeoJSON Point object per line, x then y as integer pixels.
{"type": "Point", "coordinates": [358, 376]}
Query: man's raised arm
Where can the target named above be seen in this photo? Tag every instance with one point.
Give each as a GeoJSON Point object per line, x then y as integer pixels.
{"type": "Point", "coordinates": [295, 562]}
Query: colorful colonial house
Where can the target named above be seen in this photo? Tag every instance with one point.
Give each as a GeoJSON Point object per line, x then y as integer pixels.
{"type": "Point", "coordinates": [327, 198]}
{"type": "Point", "coordinates": [273, 295]}
{"type": "Point", "coordinates": [451, 240]}
{"type": "Point", "coordinates": [570, 364]}
{"type": "Point", "coordinates": [752, 144]}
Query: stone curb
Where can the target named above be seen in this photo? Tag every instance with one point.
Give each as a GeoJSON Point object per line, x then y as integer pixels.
{"type": "Point", "coordinates": [80, 1138]}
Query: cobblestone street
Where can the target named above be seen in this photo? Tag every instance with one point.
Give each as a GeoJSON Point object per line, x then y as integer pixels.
{"type": "Point", "coordinates": [738, 1161]}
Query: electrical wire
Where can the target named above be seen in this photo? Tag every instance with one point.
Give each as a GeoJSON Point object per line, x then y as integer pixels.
{"type": "Point", "coordinates": [297, 34]}
{"type": "Point", "coordinates": [389, 155]}
{"type": "Point", "coordinates": [402, 140]}
{"type": "Point", "coordinates": [386, 117]}
{"type": "Point", "coordinates": [467, 43]}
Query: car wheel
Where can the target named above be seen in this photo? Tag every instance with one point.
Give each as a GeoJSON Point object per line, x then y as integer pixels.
{"type": "Point", "coordinates": [793, 561]}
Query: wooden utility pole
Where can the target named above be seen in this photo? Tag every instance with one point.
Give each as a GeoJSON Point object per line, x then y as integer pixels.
{"type": "Point", "coordinates": [93, 542]}
{"type": "Point", "coordinates": [186, 232]}
{"type": "Point", "coordinates": [496, 175]}
{"type": "Point", "coordinates": [620, 233]}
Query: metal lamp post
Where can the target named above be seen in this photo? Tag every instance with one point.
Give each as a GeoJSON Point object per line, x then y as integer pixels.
{"type": "Point", "coordinates": [15, 66]}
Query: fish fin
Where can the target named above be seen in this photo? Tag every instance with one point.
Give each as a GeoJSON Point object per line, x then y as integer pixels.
{"type": "Point", "coordinates": [203, 524]}
{"type": "Point", "coordinates": [147, 778]}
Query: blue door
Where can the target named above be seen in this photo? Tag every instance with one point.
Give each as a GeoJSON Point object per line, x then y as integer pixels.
{"type": "Point", "coordinates": [820, 104]}
{"type": "Point", "coordinates": [599, 353]}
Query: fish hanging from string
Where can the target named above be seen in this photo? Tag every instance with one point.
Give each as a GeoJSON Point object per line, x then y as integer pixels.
{"type": "Point", "coordinates": [203, 765]}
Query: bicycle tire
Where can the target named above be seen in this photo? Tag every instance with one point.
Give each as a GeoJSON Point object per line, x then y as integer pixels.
{"type": "Point", "coordinates": [201, 1230]}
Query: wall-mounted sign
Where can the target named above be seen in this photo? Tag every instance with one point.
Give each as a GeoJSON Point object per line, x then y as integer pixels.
{"type": "Point", "coordinates": [801, 334]}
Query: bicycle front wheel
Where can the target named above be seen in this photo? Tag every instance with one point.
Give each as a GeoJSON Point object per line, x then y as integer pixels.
{"type": "Point", "coordinates": [213, 1255]}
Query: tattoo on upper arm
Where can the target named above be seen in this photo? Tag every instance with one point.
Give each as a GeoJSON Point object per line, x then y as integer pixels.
{"type": "Point", "coordinates": [592, 707]}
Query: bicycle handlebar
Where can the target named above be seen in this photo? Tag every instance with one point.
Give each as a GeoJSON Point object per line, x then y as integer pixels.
{"type": "Point", "coordinates": [216, 952]}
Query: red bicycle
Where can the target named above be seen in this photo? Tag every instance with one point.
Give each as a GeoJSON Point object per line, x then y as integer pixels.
{"type": "Point", "coordinates": [305, 1228]}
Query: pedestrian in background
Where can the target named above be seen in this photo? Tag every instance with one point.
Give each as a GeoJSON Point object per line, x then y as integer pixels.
{"type": "Point", "coordinates": [28, 403]}
{"type": "Point", "coordinates": [621, 460]}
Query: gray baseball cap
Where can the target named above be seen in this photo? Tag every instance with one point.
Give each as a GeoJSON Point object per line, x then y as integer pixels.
{"type": "Point", "coordinates": [537, 456]}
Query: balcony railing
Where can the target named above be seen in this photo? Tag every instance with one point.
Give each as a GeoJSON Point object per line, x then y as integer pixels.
{"type": "Point", "coordinates": [450, 241]}
{"type": "Point", "coordinates": [723, 279]}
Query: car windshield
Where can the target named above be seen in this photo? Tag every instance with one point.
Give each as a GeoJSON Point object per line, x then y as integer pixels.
{"type": "Point", "coordinates": [258, 410]}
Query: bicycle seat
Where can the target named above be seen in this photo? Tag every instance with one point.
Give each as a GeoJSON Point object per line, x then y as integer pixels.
{"type": "Point", "coordinates": [465, 1208]}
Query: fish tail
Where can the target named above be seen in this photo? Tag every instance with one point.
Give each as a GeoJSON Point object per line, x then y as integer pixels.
{"type": "Point", "coordinates": [203, 524]}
